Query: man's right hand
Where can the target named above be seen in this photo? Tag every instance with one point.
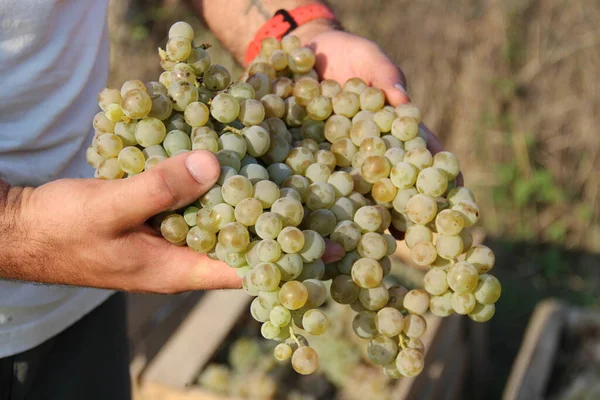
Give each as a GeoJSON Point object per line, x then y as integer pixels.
{"type": "Point", "coordinates": [90, 232]}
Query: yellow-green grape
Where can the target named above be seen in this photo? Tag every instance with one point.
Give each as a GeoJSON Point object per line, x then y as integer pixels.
{"type": "Point", "coordinates": [359, 159]}
{"type": "Point", "coordinates": [252, 255]}
{"type": "Point", "coordinates": [432, 182]}
{"type": "Point", "coordinates": [305, 360]}
{"type": "Point", "coordinates": [177, 122]}
{"type": "Point", "coordinates": [273, 106]}
{"type": "Point", "coordinates": [93, 158]}
{"type": "Point", "coordinates": [178, 48]}
{"type": "Point", "coordinates": [282, 352]}
{"type": "Point", "coordinates": [131, 160]}
{"type": "Point", "coordinates": [259, 67]}
{"type": "Point", "coordinates": [279, 172]}
{"type": "Point", "coordinates": [224, 108]}
{"type": "Point", "coordinates": [196, 114]}
{"type": "Point", "coordinates": [417, 233]}
{"type": "Point", "coordinates": [294, 112]}
{"type": "Point", "coordinates": [205, 96]}
{"type": "Point", "coordinates": [337, 127]}
{"type": "Point", "coordinates": [204, 221]}
{"type": "Point", "coordinates": [221, 215]}
{"type": "Point", "coordinates": [317, 293]}
{"type": "Point", "coordinates": [254, 172]}
{"type": "Point", "coordinates": [392, 244]}
{"type": "Point", "coordinates": [469, 211]}
{"type": "Point", "coordinates": [488, 289]}
{"type": "Point", "coordinates": [392, 142]}
{"type": "Point", "coordinates": [342, 183]}
{"type": "Point", "coordinates": [291, 239]}
{"type": "Point", "coordinates": [315, 322]}
{"type": "Point", "coordinates": [182, 93]}
{"type": "Point", "coordinates": [312, 270]}
{"type": "Point", "coordinates": [344, 266]}
{"type": "Point", "coordinates": [199, 60]}
{"type": "Point", "coordinates": [162, 107]}
{"type": "Point", "coordinates": [269, 330]}
{"type": "Point", "coordinates": [441, 305]}
{"type": "Point", "coordinates": [344, 150]}
{"type": "Point", "coordinates": [362, 130]}
{"type": "Point", "coordinates": [410, 362]}
{"type": "Point", "coordinates": [290, 210]}
{"type": "Point", "coordinates": [126, 131]}
{"type": "Point", "coordinates": [205, 142]}
{"type": "Point", "coordinates": [319, 108]}
{"type": "Point", "coordinates": [175, 141]}
{"type": "Point", "coordinates": [449, 247]}
{"type": "Point", "coordinates": [301, 60]}
{"type": "Point", "coordinates": [389, 322]}
{"type": "Point", "coordinates": [384, 191]}
{"type": "Point", "coordinates": [386, 217]}
{"type": "Point", "coordinates": [415, 143]}
{"type": "Point", "coordinates": [320, 195]}
{"type": "Point", "coordinates": [448, 163]}
{"type": "Point", "coordinates": [297, 182]}
{"type": "Point", "coordinates": [404, 175]}
{"type": "Point", "coordinates": [108, 96]}
{"type": "Point", "coordinates": [314, 130]}
{"type": "Point", "coordinates": [330, 88]}
{"type": "Point", "coordinates": [258, 312]}
{"type": "Point", "coordinates": [449, 222]}
{"type": "Point", "coordinates": [374, 298]}
{"type": "Point", "coordinates": [364, 324]}
{"type": "Point", "coordinates": [318, 173]}
{"type": "Point", "coordinates": [463, 277]}
{"type": "Point", "coordinates": [290, 266]}
{"type": "Point", "coordinates": [346, 104]}
{"type": "Point", "coordinates": [264, 276]}
{"type": "Point", "coordinates": [367, 273]}
{"type": "Point", "coordinates": [372, 99]}
{"type": "Point", "coordinates": [291, 193]}
{"type": "Point", "coordinates": [368, 218]}
{"type": "Point", "coordinates": [382, 350]}
{"type": "Point", "coordinates": [236, 189]}
{"type": "Point", "coordinates": [372, 245]}
{"type": "Point", "coordinates": [251, 112]}
{"type": "Point", "coordinates": [299, 159]}
{"type": "Point", "coordinates": [269, 300]}
{"type": "Point", "coordinates": [375, 168]}
{"type": "Point", "coordinates": [268, 250]}
{"type": "Point", "coordinates": [174, 228]}
{"type": "Point", "coordinates": [279, 60]}
{"type": "Point", "coordinates": [133, 84]}
{"type": "Point", "coordinates": [373, 146]}
{"type": "Point", "coordinates": [343, 209]}
{"type": "Point", "coordinates": [414, 326]}
{"type": "Point", "coordinates": [435, 281]}
{"type": "Point", "coordinates": [421, 209]}
{"type": "Point", "coordinates": [234, 237]}
{"type": "Point", "coordinates": [283, 87]}
{"type": "Point", "coordinates": [183, 73]}
{"type": "Point", "coordinates": [420, 158]}
{"type": "Point", "coordinates": [305, 90]}
{"type": "Point", "coordinates": [416, 301]}
{"type": "Point", "coordinates": [277, 150]}
{"type": "Point", "coordinates": [482, 312]}
{"type": "Point", "coordinates": [108, 145]}
{"type": "Point", "coordinates": [109, 169]}
{"type": "Point", "coordinates": [309, 144]}
{"type": "Point", "coordinates": [289, 43]}
{"type": "Point", "coordinates": [357, 199]}
{"type": "Point", "coordinates": [343, 290]}
{"type": "Point", "coordinates": [247, 212]}
{"type": "Point", "coordinates": [347, 234]}
{"type": "Point", "coordinates": [181, 29]}
{"type": "Point", "coordinates": [459, 194]}
{"type": "Point", "coordinates": [405, 128]}
{"type": "Point", "coordinates": [241, 91]}
{"type": "Point", "coordinates": [355, 85]}
{"type": "Point", "coordinates": [200, 239]}
{"type": "Point", "coordinates": [114, 112]}
{"type": "Point", "coordinates": [260, 83]}
{"type": "Point", "coordinates": [257, 140]}
{"type": "Point", "coordinates": [391, 371]}
{"type": "Point", "coordinates": [463, 303]}
{"type": "Point", "coordinates": [150, 132]}
{"type": "Point", "coordinates": [233, 142]}
{"type": "Point", "coordinates": [266, 192]}
{"type": "Point", "coordinates": [467, 239]}
{"type": "Point", "coordinates": [408, 110]}
{"type": "Point", "coordinates": [269, 45]}
{"type": "Point", "coordinates": [313, 247]}
{"type": "Point", "coordinates": [279, 315]}
{"type": "Point", "coordinates": [293, 295]}
{"type": "Point", "coordinates": [165, 78]}
{"type": "Point", "coordinates": [442, 263]}
{"type": "Point", "coordinates": [402, 197]}
{"type": "Point", "coordinates": [384, 120]}
{"type": "Point", "coordinates": [212, 197]}
{"type": "Point", "coordinates": [321, 221]}
{"type": "Point", "coordinates": [216, 77]}
{"type": "Point", "coordinates": [423, 253]}
{"type": "Point", "coordinates": [416, 344]}
{"type": "Point", "coordinates": [152, 161]}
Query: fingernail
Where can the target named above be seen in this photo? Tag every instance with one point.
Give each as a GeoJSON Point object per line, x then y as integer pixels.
{"type": "Point", "coordinates": [204, 168]}
{"type": "Point", "coordinates": [401, 88]}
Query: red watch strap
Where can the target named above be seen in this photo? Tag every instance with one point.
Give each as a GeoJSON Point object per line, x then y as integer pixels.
{"type": "Point", "coordinates": [283, 22]}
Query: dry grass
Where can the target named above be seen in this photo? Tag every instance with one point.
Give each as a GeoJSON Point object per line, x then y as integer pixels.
{"type": "Point", "coordinates": [512, 87]}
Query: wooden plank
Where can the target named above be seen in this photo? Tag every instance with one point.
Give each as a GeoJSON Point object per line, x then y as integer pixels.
{"type": "Point", "coordinates": [155, 391]}
{"type": "Point", "coordinates": [194, 342]}
{"type": "Point", "coordinates": [533, 366]}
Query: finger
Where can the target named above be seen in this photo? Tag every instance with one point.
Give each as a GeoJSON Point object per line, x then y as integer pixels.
{"type": "Point", "coordinates": [333, 252]}
{"type": "Point", "coordinates": [172, 184]}
{"type": "Point", "coordinates": [383, 74]}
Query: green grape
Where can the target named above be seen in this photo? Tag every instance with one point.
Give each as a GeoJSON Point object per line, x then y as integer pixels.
{"type": "Point", "coordinates": [234, 237]}
{"type": "Point", "coordinates": [448, 163]}
{"type": "Point", "coordinates": [279, 172]}
{"type": "Point", "coordinates": [259, 313]}
{"type": "Point", "coordinates": [177, 122]}
{"type": "Point", "coordinates": [384, 191]}
{"type": "Point", "coordinates": [368, 218]}
{"type": "Point", "coordinates": [405, 172]}
{"type": "Point", "coordinates": [257, 140]}
{"type": "Point", "coordinates": [355, 85]}
{"type": "Point", "coordinates": [108, 96]}
{"type": "Point", "coordinates": [318, 173]}
{"type": "Point", "coordinates": [306, 90]}
{"type": "Point", "coordinates": [221, 215]}
{"type": "Point", "coordinates": [322, 221]}
{"type": "Point", "coordinates": [459, 194]}
{"type": "Point", "coordinates": [293, 295]}
{"type": "Point", "coordinates": [251, 112]}
{"type": "Point", "coordinates": [150, 132]}
{"type": "Point", "coordinates": [408, 110]}
{"type": "Point", "coordinates": [364, 324]}
{"type": "Point", "coordinates": [212, 197]}
{"type": "Point", "coordinates": [205, 142]}
{"type": "Point", "coordinates": [269, 330]}
{"type": "Point", "coordinates": [363, 116]}
{"type": "Point", "coordinates": [174, 228]}
{"type": "Point", "coordinates": [405, 128]}
{"type": "Point", "coordinates": [247, 212]}
{"type": "Point", "coordinates": [391, 371]}
{"type": "Point", "coordinates": [249, 160]}
{"type": "Point", "coordinates": [283, 87]}
{"type": "Point", "coordinates": [224, 108]}
{"type": "Point", "coordinates": [373, 146]}
{"type": "Point", "coordinates": [343, 209]}
{"type": "Point", "coordinates": [162, 107]}
{"type": "Point", "coordinates": [290, 210]}
{"type": "Point", "coordinates": [347, 234]}
{"type": "Point", "coordinates": [131, 160]}
{"type": "Point", "coordinates": [266, 192]}
{"type": "Point", "coordinates": [416, 301]}
{"type": "Point", "coordinates": [415, 143]}
{"type": "Point", "coordinates": [337, 127]}
{"type": "Point", "coordinates": [176, 141]}
{"type": "Point", "coordinates": [449, 222]}
{"type": "Point", "coordinates": [305, 360]}
{"type": "Point", "coordinates": [93, 158]}
{"type": "Point", "coordinates": [362, 130]}
{"type": "Point", "coordinates": [357, 199]}
{"type": "Point", "coordinates": [449, 247]}
{"type": "Point", "coordinates": [441, 305]}
{"type": "Point", "coordinates": [359, 159]}
{"type": "Point", "coordinates": [252, 255]}
{"type": "Point", "coordinates": [392, 142]}
{"type": "Point", "coordinates": [463, 303]}
{"type": "Point", "coordinates": [469, 211]}
{"type": "Point", "coordinates": [463, 277]}
{"type": "Point", "coordinates": [346, 104]}
{"type": "Point", "coordinates": [317, 293]}
{"type": "Point", "coordinates": [273, 106]}
{"type": "Point", "coordinates": [291, 239]}
{"type": "Point", "coordinates": [417, 233]}
{"type": "Point", "coordinates": [435, 281]}
{"type": "Point", "coordinates": [152, 161]}
{"type": "Point", "coordinates": [133, 84]}
{"type": "Point", "coordinates": [265, 276]}
{"type": "Point", "coordinates": [196, 114]}
{"type": "Point", "coordinates": [233, 142]}
{"type": "Point", "coordinates": [301, 59]}
{"type": "Point", "coordinates": [482, 313]}
{"type": "Point", "coordinates": [414, 326]}
{"type": "Point", "coordinates": [165, 78]}
{"type": "Point", "coordinates": [375, 168]}
{"type": "Point", "coordinates": [372, 245]}
{"type": "Point", "coordinates": [236, 189]}
{"type": "Point", "coordinates": [201, 240]}
{"type": "Point", "coordinates": [320, 195]}
{"type": "Point", "coordinates": [182, 72]}
{"type": "Point", "coordinates": [204, 221]}
{"type": "Point", "coordinates": [389, 322]}
{"type": "Point", "coordinates": [226, 173]}
{"type": "Point", "coordinates": [402, 197]}
{"type": "Point", "coordinates": [374, 298]}
{"type": "Point", "coordinates": [108, 145]}
{"type": "Point", "coordinates": [277, 151]}
{"type": "Point", "coordinates": [432, 182]}
{"type": "Point", "coordinates": [268, 225]}
{"type": "Point", "coordinates": [268, 250]}
{"type": "Point", "coordinates": [282, 352]}
{"type": "Point", "coordinates": [269, 299]}
{"type": "Point", "coordinates": [199, 60]}
{"type": "Point", "coordinates": [313, 247]}
{"type": "Point", "coordinates": [280, 316]}
{"type": "Point", "coordinates": [384, 120]}
{"type": "Point", "coordinates": [216, 77]}
{"type": "Point", "coordinates": [410, 362]}
{"type": "Point", "coordinates": [315, 322]}
{"type": "Point", "coordinates": [260, 83]}
{"type": "Point", "coordinates": [278, 128]}
{"type": "Point", "coordinates": [294, 112]}
{"type": "Point", "coordinates": [114, 112]}
{"type": "Point", "coordinates": [269, 45]}
{"type": "Point", "coordinates": [241, 91]}
{"type": "Point", "coordinates": [109, 169]}
{"type": "Point", "coordinates": [290, 266]}
{"type": "Point", "coordinates": [367, 273]}
{"type": "Point", "coordinates": [467, 240]}
{"type": "Point", "coordinates": [382, 350]}
{"type": "Point", "coordinates": [178, 48]}
{"type": "Point", "coordinates": [102, 124]}
{"type": "Point", "coordinates": [289, 43]}
{"type": "Point", "coordinates": [262, 68]}
{"type": "Point", "coordinates": [344, 151]}
{"type": "Point", "coordinates": [396, 297]}
{"type": "Point", "coordinates": [330, 88]}
{"type": "Point", "coordinates": [343, 290]}
{"type": "Point", "coordinates": [342, 183]}
{"type": "Point", "coordinates": [279, 60]}
{"type": "Point", "coordinates": [344, 266]}
{"type": "Point", "coordinates": [126, 131]}
{"type": "Point", "coordinates": [327, 158]}
{"type": "Point", "coordinates": [319, 108]}
{"type": "Point", "coordinates": [421, 209]}
{"type": "Point", "coordinates": [182, 93]}
{"type": "Point", "coordinates": [420, 158]}
{"type": "Point", "coordinates": [488, 289]}
{"type": "Point", "coordinates": [423, 253]}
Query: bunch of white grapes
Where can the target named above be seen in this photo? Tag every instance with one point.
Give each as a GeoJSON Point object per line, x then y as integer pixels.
{"type": "Point", "coordinates": [303, 160]}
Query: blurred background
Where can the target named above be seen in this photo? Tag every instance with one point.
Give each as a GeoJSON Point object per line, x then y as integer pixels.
{"type": "Point", "coordinates": [513, 88]}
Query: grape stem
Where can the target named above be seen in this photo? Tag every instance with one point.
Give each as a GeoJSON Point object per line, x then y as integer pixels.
{"type": "Point", "coordinates": [403, 337]}
{"type": "Point", "coordinates": [293, 336]}
{"type": "Point", "coordinates": [234, 130]}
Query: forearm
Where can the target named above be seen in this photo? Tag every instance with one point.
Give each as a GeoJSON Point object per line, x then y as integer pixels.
{"type": "Point", "coordinates": [236, 23]}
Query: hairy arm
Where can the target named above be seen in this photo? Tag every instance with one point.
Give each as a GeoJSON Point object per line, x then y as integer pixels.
{"type": "Point", "coordinates": [236, 23]}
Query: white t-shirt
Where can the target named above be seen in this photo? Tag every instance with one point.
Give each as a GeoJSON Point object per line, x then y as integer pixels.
{"type": "Point", "coordinates": [53, 62]}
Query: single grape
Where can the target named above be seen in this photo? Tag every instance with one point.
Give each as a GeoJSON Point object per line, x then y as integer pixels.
{"type": "Point", "coordinates": [482, 313]}
{"type": "Point", "coordinates": [372, 245]}
{"type": "Point", "coordinates": [347, 234]}
{"type": "Point", "coordinates": [108, 145]}
{"type": "Point", "coordinates": [293, 295]}
{"type": "Point", "coordinates": [290, 210]}
{"type": "Point", "coordinates": [364, 324]}
{"type": "Point", "coordinates": [109, 169]}
{"type": "Point", "coordinates": [282, 352]}
{"type": "Point", "coordinates": [374, 298]}
{"type": "Point", "coordinates": [224, 108]}
{"type": "Point", "coordinates": [305, 360]}
{"type": "Point", "coordinates": [488, 289]}
{"type": "Point", "coordinates": [289, 43]}
{"type": "Point", "coordinates": [389, 322]}
{"type": "Point", "coordinates": [481, 257]}
{"type": "Point", "coordinates": [258, 312]}
{"type": "Point", "coordinates": [463, 303]}
{"type": "Point", "coordinates": [182, 94]}
{"type": "Point", "coordinates": [321, 221]}
{"type": "Point", "coordinates": [421, 209]}
{"type": "Point", "coordinates": [408, 110]}
{"type": "Point", "coordinates": [269, 330]}
{"type": "Point", "coordinates": [416, 301]}
{"type": "Point", "coordinates": [449, 247]}
{"type": "Point", "coordinates": [131, 160]}
{"type": "Point", "coordinates": [280, 316]}
{"type": "Point", "coordinates": [375, 168]}
{"type": "Point", "coordinates": [319, 108]}
{"type": "Point", "coordinates": [317, 293]}
{"type": "Point", "coordinates": [448, 163]}
{"type": "Point", "coordinates": [382, 350]}
{"type": "Point", "coordinates": [216, 77]}
{"type": "Point", "coordinates": [435, 281]}
{"type": "Point", "coordinates": [372, 99]}
{"type": "Point", "coordinates": [368, 218]}
{"type": "Point", "coordinates": [410, 362]}
{"type": "Point", "coordinates": [199, 60]}
{"type": "Point", "coordinates": [315, 322]}
{"type": "Point", "coordinates": [405, 128]}
{"type": "Point", "coordinates": [458, 194]}
{"type": "Point", "coordinates": [414, 326]}
{"type": "Point", "coordinates": [423, 253]}
{"type": "Point", "coordinates": [174, 228]}
{"type": "Point", "coordinates": [290, 266]}
{"type": "Point", "coordinates": [301, 60]}
{"type": "Point", "coordinates": [343, 289]}
{"type": "Point", "coordinates": [346, 104]}
{"type": "Point", "coordinates": [384, 120]}
{"type": "Point", "coordinates": [463, 277]}
{"type": "Point", "coordinates": [420, 158]}
{"type": "Point", "coordinates": [234, 237]}
{"type": "Point", "coordinates": [441, 305]}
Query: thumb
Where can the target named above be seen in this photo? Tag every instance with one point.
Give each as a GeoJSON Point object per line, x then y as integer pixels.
{"type": "Point", "coordinates": [171, 184]}
{"type": "Point", "coordinates": [385, 75]}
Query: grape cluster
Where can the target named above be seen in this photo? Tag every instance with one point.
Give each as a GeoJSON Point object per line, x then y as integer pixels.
{"type": "Point", "coordinates": [303, 160]}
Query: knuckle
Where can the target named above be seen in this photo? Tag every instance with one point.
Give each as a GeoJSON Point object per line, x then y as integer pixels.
{"type": "Point", "coordinates": [161, 190]}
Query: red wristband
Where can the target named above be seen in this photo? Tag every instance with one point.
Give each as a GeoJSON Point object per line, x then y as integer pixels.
{"type": "Point", "coordinates": [283, 22]}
